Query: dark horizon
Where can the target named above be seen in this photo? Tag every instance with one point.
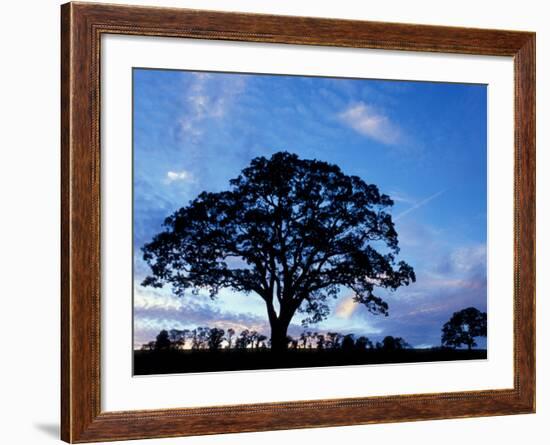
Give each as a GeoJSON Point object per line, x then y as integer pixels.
{"type": "Point", "coordinates": [169, 356]}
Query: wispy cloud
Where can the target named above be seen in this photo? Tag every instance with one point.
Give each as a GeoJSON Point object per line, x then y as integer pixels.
{"type": "Point", "coordinates": [371, 122]}
{"type": "Point", "coordinates": [208, 98]}
{"type": "Point", "coordinates": [203, 103]}
{"type": "Point", "coordinates": [418, 205]}
{"type": "Point", "coordinates": [398, 196]}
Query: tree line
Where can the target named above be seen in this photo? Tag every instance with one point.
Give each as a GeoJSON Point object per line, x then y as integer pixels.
{"type": "Point", "coordinates": [461, 330]}
{"type": "Point", "coordinates": [215, 339]}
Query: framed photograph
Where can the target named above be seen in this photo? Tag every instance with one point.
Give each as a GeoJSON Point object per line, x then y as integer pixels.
{"type": "Point", "coordinates": [274, 222]}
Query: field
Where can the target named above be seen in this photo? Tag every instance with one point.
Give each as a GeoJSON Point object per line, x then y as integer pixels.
{"type": "Point", "coordinates": [184, 361]}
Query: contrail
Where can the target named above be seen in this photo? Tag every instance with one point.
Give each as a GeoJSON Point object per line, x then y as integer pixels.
{"type": "Point", "coordinates": [418, 205]}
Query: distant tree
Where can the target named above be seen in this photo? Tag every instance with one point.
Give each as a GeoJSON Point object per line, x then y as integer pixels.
{"type": "Point", "coordinates": [215, 338]}
{"type": "Point", "coordinates": [194, 339]}
{"type": "Point", "coordinates": [148, 346]}
{"type": "Point", "coordinates": [243, 340]}
{"type": "Point", "coordinates": [390, 343]}
{"type": "Point", "coordinates": [179, 344]}
{"type": "Point", "coordinates": [348, 342]}
{"type": "Point", "coordinates": [291, 343]}
{"type": "Point", "coordinates": [163, 341]}
{"type": "Point", "coordinates": [463, 327]}
{"type": "Point", "coordinates": [254, 339]}
{"type": "Point", "coordinates": [402, 344]}
{"type": "Point", "coordinates": [203, 334]}
{"type": "Point", "coordinates": [229, 337]}
{"type": "Point", "coordinates": [363, 343]}
{"type": "Point", "coordinates": [311, 336]}
{"type": "Point", "coordinates": [199, 338]}
{"type": "Point", "coordinates": [261, 341]}
{"type": "Point", "coordinates": [333, 340]}
{"type": "Point", "coordinates": [174, 334]}
{"type": "Point", "coordinates": [321, 341]}
{"type": "Point", "coordinates": [303, 339]}
{"type": "Point", "coordinates": [178, 338]}
{"type": "Point", "coordinates": [303, 230]}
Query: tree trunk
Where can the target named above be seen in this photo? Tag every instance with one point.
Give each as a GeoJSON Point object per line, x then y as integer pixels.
{"type": "Point", "coordinates": [278, 337]}
{"type": "Point", "coordinates": [279, 324]}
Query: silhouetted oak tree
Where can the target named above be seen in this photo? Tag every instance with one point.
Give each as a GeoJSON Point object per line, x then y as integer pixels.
{"type": "Point", "coordinates": [463, 327]}
{"type": "Point", "coordinates": [290, 230]}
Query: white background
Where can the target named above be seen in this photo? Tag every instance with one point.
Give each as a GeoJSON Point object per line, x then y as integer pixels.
{"type": "Point", "coordinates": [29, 241]}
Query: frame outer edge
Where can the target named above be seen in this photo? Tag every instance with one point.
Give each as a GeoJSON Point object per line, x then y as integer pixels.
{"type": "Point", "coordinates": [66, 78]}
{"type": "Point", "coordinates": [82, 419]}
{"type": "Point", "coordinates": [525, 69]}
{"type": "Point", "coordinates": [80, 270]}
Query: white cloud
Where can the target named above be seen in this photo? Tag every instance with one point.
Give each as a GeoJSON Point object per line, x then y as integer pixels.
{"type": "Point", "coordinates": [371, 122]}
{"type": "Point", "coordinates": [181, 176]}
{"type": "Point", "coordinates": [153, 299]}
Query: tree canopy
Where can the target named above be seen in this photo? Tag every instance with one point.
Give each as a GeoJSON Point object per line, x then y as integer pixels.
{"type": "Point", "coordinates": [293, 231]}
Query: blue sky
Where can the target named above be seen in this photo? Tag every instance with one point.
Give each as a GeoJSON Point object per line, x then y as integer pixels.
{"type": "Point", "coordinates": [423, 143]}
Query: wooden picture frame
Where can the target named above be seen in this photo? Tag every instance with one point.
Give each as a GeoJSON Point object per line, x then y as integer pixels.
{"type": "Point", "coordinates": [82, 26]}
